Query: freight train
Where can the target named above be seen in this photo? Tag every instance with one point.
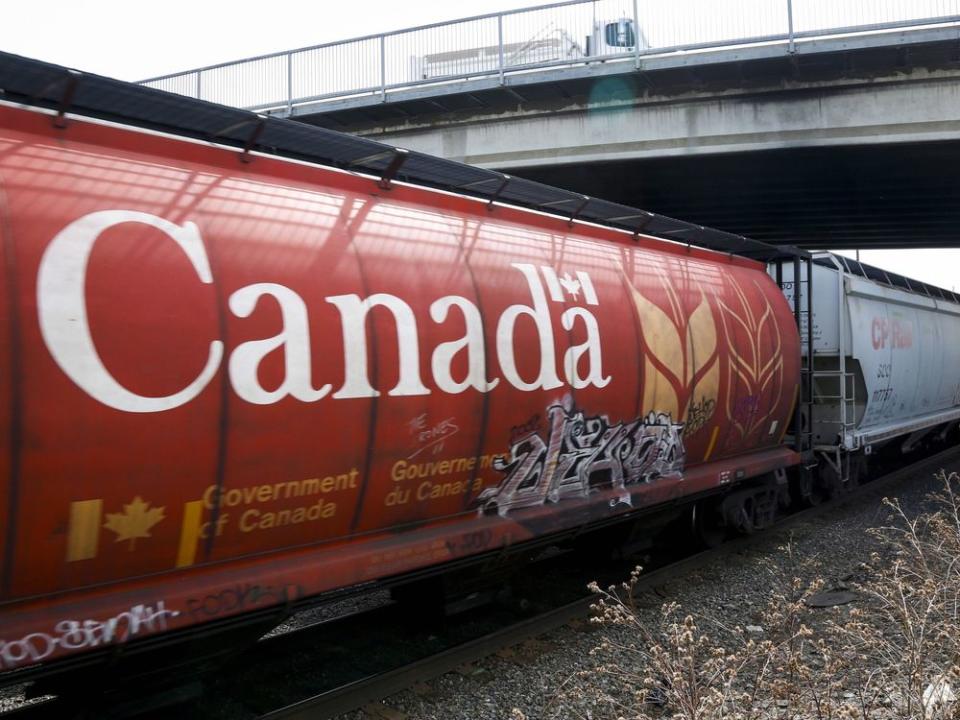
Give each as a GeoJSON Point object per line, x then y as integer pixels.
{"type": "Point", "coordinates": [242, 371]}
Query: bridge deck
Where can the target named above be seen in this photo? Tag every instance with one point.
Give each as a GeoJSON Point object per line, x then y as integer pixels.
{"type": "Point", "coordinates": [511, 50]}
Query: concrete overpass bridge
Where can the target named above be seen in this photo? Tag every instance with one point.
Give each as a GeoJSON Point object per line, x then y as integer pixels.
{"type": "Point", "coordinates": [793, 122]}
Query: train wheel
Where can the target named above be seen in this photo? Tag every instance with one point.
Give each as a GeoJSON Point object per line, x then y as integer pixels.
{"type": "Point", "coordinates": [806, 490]}
{"type": "Point", "coordinates": [859, 471]}
{"type": "Point", "coordinates": [707, 524]}
{"type": "Point", "coordinates": [831, 484]}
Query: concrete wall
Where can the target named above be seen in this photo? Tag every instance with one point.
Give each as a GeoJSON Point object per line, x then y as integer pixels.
{"type": "Point", "coordinates": [921, 106]}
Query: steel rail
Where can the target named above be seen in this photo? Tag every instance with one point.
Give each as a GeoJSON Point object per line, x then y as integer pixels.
{"type": "Point", "coordinates": [377, 687]}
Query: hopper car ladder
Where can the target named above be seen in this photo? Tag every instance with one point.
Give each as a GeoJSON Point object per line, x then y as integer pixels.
{"type": "Point", "coordinates": [835, 400]}
{"type": "Point", "coordinates": [835, 395]}
{"type": "Point", "coordinates": [799, 290]}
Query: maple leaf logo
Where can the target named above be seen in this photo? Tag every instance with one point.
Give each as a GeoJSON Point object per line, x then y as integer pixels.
{"type": "Point", "coordinates": [135, 521]}
{"type": "Point", "coordinates": [570, 285]}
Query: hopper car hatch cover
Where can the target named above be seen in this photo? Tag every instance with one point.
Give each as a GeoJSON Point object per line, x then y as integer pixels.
{"type": "Point", "coordinates": [886, 277]}
{"type": "Point", "coordinates": [32, 82]}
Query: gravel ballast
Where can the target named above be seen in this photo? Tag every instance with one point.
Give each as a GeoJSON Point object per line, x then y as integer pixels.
{"type": "Point", "coordinates": [536, 678]}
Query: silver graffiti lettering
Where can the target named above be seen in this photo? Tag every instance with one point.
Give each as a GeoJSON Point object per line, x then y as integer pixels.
{"type": "Point", "coordinates": [79, 635]}
{"type": "Point", "coordinates": [583, 454]}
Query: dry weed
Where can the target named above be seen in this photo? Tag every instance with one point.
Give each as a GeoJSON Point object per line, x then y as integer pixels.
{"type": "Point", "coordinates": [893, 654]}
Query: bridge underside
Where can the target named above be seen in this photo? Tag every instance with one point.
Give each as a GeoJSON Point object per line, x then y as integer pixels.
{"type": "Point", "coordinates": [864, 196]}
{"type": "Point", "coordinates": [831, 147]}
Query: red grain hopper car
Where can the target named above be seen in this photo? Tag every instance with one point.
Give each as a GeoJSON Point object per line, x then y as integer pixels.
{"type": "Point", "coordinates": [228, 385]}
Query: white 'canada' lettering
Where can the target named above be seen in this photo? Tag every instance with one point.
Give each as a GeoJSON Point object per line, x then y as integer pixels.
{"type": "Point", "coordinates": [63, 321]}
{"type": "Point", "coordinates": [295, 339]}
{"type": "Point", "coordinates": [62, 309]}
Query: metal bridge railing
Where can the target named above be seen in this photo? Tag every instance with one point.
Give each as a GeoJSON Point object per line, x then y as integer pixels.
{"type": "Point", "coordinates": [576, 32]}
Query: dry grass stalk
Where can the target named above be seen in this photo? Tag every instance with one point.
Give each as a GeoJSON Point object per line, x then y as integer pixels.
{"type": "Point", "coordinates": [894, 654]}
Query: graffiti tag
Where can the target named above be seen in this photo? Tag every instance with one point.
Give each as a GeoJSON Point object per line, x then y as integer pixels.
{"type": "Point", "coordinates": [581, 454]}
{"type": "Point", "coordinates": [698, 414]}
{"type": "Point", "coordinates": [745, 409]}
{"type": "Point", "coordinates": [524, 429]}
{"type": "Point", "coordinates": [242, 597]}
{"type": "Point", "coordinates": [430, 436]}
{"type": "Point", "coordinates": [85, 634]}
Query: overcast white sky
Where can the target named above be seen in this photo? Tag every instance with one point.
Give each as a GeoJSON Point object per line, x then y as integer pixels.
{"type": "Point", "coordinates": [134, 40]}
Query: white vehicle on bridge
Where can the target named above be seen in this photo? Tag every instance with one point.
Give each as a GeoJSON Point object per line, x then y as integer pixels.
{"type": "Point", "coordinates": [552, 43]}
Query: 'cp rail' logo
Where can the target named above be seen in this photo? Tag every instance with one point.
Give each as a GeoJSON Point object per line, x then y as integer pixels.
{"type": "Point", "coordinates": [893, 333]}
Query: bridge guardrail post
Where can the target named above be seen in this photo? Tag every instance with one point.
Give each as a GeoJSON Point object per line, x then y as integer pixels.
{"type": "Point", "coordinates": [383, 68]}
{"type": "Point", "coordinates": [199, 75]}
{"type": "Point", "coordinates": [289, 84]}
{"type": "Point", "coordinates": [500, 44]}
{"type": "Point", "coordinates": [791, 42]}
{"type": "Point", "coordinates": [636, 37]}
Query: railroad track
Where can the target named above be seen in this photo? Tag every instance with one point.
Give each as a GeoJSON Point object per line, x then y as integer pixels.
{"type": "Point", "coordinates": [356, 695]}
{"type": "Point", "coordinates": [338, 632]}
